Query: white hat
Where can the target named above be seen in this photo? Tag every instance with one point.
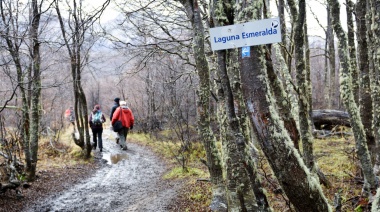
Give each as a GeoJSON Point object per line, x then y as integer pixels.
{"type": "Point", "coordinates": [123, 103]}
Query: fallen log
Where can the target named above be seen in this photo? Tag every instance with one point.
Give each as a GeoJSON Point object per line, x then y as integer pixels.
{"type": "Point", "coordinates": [328, 119]}
{"type": "Point", "coordinates": [12, 185]}
{"type": "Point", "coordinates": [4, 186]}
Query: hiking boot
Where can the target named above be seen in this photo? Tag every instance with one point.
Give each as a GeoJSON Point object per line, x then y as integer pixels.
{"type": "Point", "coordinates": [117, 140]}
{"type": "Point", "coordinates": [125, 148]}
{"type": "Point", "coordinates": [101, 150]}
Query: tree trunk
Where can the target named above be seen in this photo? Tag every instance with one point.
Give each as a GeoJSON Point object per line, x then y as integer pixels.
{"type": "Point", "coordinates": [374, 49]}
{"type": "Point", "coordinates": [352, 50]}
{"type": "Point", "coordinates": [285, 99]}
{"type": "Point", "coordinates": [281, 15]}
{"type": "Point", "coordinates": [74, 44]}
{"type": "Point", "coordinates": [283, 103]}
{"type": "Point", "coordinates": [326, 80]}
{"type": "Point", "coordinates": [304, 87]}
{"type": "Point", "coordinates": [293, 15]}
{"type": "Point", "coordinates": [374, 63]}
{"type": "Point", "coordinates": [249, 158]}
{"type": "Point", "coordinates": [349, 102]}
{"type": "Point", "coordinates": [209, 141]}
{"type": "Point", "coordinates": [302, 189]}
{"type": "Point", "coordinates": [249, 151]}
{"type": "Point", "coordinates": [365, 101]}
{"type": "Point", "coordinates": [330, 90]}
{"type": "Point", "coordinates": [12, 43]}
{"type": "Point", "coordinates": [35, 89]}
{"type": "Point", "coordinates": [376, 202]}
{"type": "Point", "coordinates": [240, 194]}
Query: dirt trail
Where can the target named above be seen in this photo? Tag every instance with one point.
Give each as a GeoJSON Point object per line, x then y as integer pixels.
{"type": "Point", "coordinates": [130, 181]}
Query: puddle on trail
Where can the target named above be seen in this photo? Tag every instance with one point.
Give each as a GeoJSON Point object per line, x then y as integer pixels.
{"type": "Point", "coordinates": [114, 158]}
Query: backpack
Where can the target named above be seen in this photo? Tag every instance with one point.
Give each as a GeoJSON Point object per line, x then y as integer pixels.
{"type": "Point", "coordinates": [97, 118]}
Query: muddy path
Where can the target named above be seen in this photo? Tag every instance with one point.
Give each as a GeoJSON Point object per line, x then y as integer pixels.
{"type": "Point", "coordinates": [127, 181]}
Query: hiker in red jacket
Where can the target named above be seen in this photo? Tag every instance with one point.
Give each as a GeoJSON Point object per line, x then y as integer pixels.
{"type": "Point", "coordinates": [123, 113]}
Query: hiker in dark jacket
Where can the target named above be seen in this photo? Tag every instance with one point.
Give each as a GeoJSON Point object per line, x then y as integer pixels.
{"type": "Point", "coordinates": [116, 105]}
{"type": "Point", "coordinates": [96, 121]}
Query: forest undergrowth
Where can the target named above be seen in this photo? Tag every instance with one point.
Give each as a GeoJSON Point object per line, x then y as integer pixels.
{"type": "Point", "coordinates": [59, 167]}
{"type": "Point", "coordinates": [335, 156]}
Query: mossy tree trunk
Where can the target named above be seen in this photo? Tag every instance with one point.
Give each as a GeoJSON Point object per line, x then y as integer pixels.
{"type": "Point", "coordinates": [286, 97]}
{"type": "Point", "coordinates": [326, 88]}
{"type": "Point", "coordinates": [241, 176]}
{"type": "Point", "coordinates": [304, 87]}
{"type": "Point", "coordinates": [349, 101]}
{"type": "Point", "coordinates": [35, 87]}
{"type": "Point", "coordinates": [365, 99]}
{"type": "Point", "coordinates": [293, 14]}
{"type": "Point", "coordinates": [330, 87]}
{"type": "Point", "coordinates": [284, 41]}
{"type": "Point", "coordinates": [374, 48]}
{"type": "Point", "coordinates": [352, 50]}
{"type": "Point", "coordinates": [287, 100]}
{"type": "Point", "coordinates": [247, 150]}
{"type": "Point", "coordinates": [213, 159]}
{"type": "Point", "coordinates": [239, 121]}
{"type": "Point", "coordinates": [284, 103]}
{"type": "Point", "coordinates": [373, 31]}
{"type": "Point", "coordinates": [301, 187]}
{"type": "Point", "coordinates": [239, 191]}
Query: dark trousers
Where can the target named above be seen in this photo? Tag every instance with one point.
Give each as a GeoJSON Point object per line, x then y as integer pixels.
{"type": "Point", "coordinates": [97, 137]}
{"type": "Point", "coordinates": [123, 136]}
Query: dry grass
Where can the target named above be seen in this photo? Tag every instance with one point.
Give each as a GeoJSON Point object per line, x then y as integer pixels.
{"type": "Point", "coordinates": [61, 153]}
{"type": "Point", "coordinates": [335, 157]}
{"type": "Point", "coordinates": [55, 172]}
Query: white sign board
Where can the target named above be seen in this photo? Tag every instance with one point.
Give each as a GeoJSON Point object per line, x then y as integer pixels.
{"type": "Point", "coordinates": [246, 34]}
